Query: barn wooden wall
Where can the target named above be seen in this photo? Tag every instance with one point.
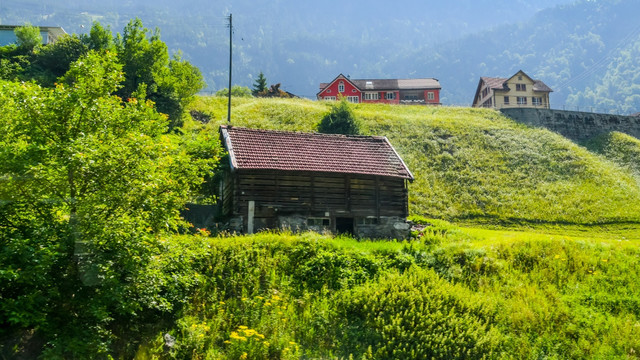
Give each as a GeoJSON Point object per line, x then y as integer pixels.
{"type": "Point", "coordinates": [313, 194]}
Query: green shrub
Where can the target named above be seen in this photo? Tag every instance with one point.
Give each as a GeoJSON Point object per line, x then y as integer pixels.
{"type": "Point", "coordinates": [417, 315]}
{"type": "Point", "coordinates": [340, 120]}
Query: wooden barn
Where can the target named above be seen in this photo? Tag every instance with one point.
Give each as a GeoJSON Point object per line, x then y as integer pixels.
{"type": "Point", "coordinates": [311, 181]}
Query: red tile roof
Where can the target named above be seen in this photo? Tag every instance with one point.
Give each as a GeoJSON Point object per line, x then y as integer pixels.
{"type": "Point", "coordinates": [293, 151]}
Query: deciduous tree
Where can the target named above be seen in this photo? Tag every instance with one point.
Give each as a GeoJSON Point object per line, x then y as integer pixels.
{"type": "Point", "coordinates": [28, 36]}
{"type": "Point", "coordinates": [88, 185]}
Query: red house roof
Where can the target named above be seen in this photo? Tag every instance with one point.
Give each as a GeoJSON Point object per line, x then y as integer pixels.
{"type": "Point", "coordinates": [387, 84]}
{"type": "Point", "coordinates": [294, 151]}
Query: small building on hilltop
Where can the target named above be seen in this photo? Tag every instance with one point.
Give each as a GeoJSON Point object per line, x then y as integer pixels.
{"type": "Point", "coordinates": [311, 181]}
{"type": "Point", "coordinates": [50, 34]}
{"type": "Point", "coordinates": [386, 91]}
{"type": "Point", "coordinates": [517, 91]}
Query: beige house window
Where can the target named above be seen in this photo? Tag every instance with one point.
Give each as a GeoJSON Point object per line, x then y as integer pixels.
{"type": "Point", "coordinates": [521, 87]}
{"type": "Point", "coordinates": [506, 100]}
{"type": "Point", "coordinates": [536, 101]}
{"type": "Point", "coordinates": [522, 100]}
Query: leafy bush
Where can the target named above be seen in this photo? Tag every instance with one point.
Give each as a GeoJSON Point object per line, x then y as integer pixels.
{"type": "Point", "coordinates": [417, 315]}
{"type": "Point", "coordinates": [236, 91]}
{"type": "Point", "coordinates": [340, 120]}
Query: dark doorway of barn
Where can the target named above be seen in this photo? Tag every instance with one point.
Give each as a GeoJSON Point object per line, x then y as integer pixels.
{"type": "Point", "coordinates": [344, 225]}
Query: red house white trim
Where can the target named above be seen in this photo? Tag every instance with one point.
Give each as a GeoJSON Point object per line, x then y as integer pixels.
{"type": "Point", "coordinates": [425, 91]}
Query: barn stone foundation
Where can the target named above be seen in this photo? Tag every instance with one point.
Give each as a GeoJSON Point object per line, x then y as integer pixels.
{"type": "Point", "coordinates": [385, 227]}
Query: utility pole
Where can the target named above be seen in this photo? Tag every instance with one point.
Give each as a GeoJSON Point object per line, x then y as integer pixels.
{"type": "Point", "coordinates": [230, 18]}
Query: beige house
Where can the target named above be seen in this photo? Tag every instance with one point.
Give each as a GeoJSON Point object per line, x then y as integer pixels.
{"type": "Point", "coordinates": [517, 91]}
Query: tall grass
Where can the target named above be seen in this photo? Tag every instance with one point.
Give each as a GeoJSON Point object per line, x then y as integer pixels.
{"type": "Point", "coordinates": [454, 292]}
{"type": "Point", "coordinates": [473, 164]}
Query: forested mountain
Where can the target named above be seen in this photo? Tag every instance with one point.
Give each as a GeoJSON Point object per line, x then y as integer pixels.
{"type": "Point", "coordinates": [584, 50]}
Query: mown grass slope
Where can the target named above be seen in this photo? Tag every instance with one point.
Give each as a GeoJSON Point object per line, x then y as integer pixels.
{"type": "Point", "coordinates": [471, 164]}
{"type": "Point", "coordinates": [620, 148]}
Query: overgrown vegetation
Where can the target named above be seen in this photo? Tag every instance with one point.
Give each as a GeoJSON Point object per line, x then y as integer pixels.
{"type": "Point", "coordinates": [88, 186]}
{"type": "Point", "coordinates": [454, 293]}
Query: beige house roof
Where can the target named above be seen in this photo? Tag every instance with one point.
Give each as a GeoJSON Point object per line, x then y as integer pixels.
{"type": "Point", "coordinates": [501, 84]}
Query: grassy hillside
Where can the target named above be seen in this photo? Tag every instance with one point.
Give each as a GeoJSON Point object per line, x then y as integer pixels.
{"type": "Point", "coordinates": [620, 148]}
{"type": "Point", "coordinates": [456, 293]}
{"type": "Point", "coordinates": [471, 164]}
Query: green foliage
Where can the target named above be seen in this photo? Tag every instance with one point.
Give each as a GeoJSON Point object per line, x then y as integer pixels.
{"type": "Point", "coordinates": [476, 294]}
{"type": "Point", "coordinates": [340, 120]}
{"type": "Point", "coordinates": [88, 186]}
{"type": "Point", "coordinates": [99, 38]}
{"type": "Point", "coordinates": [177, 84]}
{"type": "Point", "coordinates": [169, 83]}
{"type": "Point", "coordinates": [236, 91]}
{"type": "Point", "coordinates": [54, 60]}
{"type": "Point", "coordinates": [142, 56]}
{"type": "Point", "coordinates": [260, 85]}
{"type": "Point", "coordinates": [416, 315]}
{"type": "Point", "coordinates": [28, 37]}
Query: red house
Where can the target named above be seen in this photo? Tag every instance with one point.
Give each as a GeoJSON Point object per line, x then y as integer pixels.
{"type": "Point", "coordinates": [386, 91]}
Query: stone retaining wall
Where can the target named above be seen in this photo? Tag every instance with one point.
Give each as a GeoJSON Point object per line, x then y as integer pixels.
{"type": "Point", "coordinates": [575, 125]}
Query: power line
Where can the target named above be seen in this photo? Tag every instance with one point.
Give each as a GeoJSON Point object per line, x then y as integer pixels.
{"type": "Point", "coordinates": [602, 61]}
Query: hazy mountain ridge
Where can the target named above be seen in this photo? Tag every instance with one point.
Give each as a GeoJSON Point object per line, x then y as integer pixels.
{"type": "Point", "coordinates": [567, 44]}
